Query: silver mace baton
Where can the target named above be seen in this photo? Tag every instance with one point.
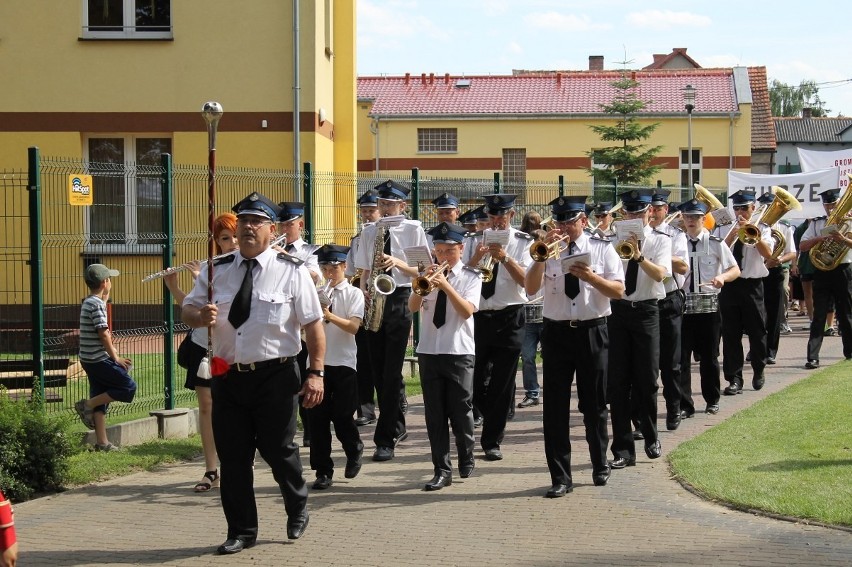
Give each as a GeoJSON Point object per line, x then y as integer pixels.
{"type": "Point", "coordinates": [212, 113]}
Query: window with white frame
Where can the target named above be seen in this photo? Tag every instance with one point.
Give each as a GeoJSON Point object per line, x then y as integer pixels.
{"type": "Point", "coordinates": [515, 168]}
{"type": "Point", "coordinates": [685, 165]}
{"type": "Point", "coordinates": [437, 140]}
{"type": "Point", "coordinates": [127, 19]}
{"type": "Point", "coordinates": [127, 211]}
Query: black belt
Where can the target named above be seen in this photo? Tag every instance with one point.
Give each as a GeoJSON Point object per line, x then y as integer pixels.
{"type": "Point", "coordinates": [578, 323]}
{"type": "Point", "coordinates": [634, 304]}
{"type": "Point", "coordinates": [241, 367]}
{"type": "Point", "coordinates": [501, 311]}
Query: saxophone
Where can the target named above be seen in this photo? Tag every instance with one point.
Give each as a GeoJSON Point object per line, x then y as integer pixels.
{"type": "Point", "coordinates": [380, 285]}
{"type": "Point", "coordinates": [830, 253]}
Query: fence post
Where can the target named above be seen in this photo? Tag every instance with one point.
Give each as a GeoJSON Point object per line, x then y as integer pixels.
{"type": "Point", "coordinates": [36, 267]}
{"type": "Point", "coordinates": [561, 184]}
{"type": "Point", "coordinates": [496, 182]}
{"type": "Point", "coordinates": [168, 309]}
{"type": "Point", "coordinates": [415, 214]}
{"type": "Point", "coordinates": [308, 185]}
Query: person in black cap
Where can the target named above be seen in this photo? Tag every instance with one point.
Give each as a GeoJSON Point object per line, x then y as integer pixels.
{"type": "Point", "coordinates": [741, 301]}
{"type": "Point", "coordinates": [446, 210]}
{"type": "Point", "coordinates": [603, 218]}
{"type": "Point", "coordinates": [499, 323]}
{"type": "Point", "coordinates": [835, 283]}
{"type": "Point", "coordinates": [387, 345]}
{"type": "Point", "coordinates": [261, 301]}
{"type": "Point", "coordinates": [368, 212]}
{"type": "Point", "coordinates": [634, 332]}
{"type": "Point", "coordinates": [671, 309]}
{"type": "Point", "coordinates": [575, 340]}
{"type": "Point", "coordinates": [711, 265]}
{"type": "Point", "coordinates": [483, 221]}
{"type": "Point", "coordinates": [774, 284]}
{"type": "Point", "coordinates": [468, 220]}
{"type": "Point", "coordinates": [446, 352]}
{"type": "Point", "coordinates": [342, 309]}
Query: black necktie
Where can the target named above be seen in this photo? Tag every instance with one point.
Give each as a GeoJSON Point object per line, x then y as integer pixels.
{"type": "Point", "coordinates": [630, 277]}
{"type": "Point", "coordinates": [488, 288]}
{"type": "Point", "coordinates": [440, 315]}
{"type": "Point", "coordinates": [241, 306]}
{"type": "Point", "coordinates": [692, 268]}
{"type": "Point", "coordinates": [387, 242]}
{"type": "Point", "coordinates": [572, 284]}
{"type": "Point", "coordinates": [738, 253]}
{"type": "Point", "coordinates": [290, 248]}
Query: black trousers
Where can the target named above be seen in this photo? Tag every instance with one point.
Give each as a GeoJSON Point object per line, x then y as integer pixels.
{"type": "Point", "coordinates": [338, 405]}
{"type": "Point", "coordinates": [257, 411]}
{"type": "Point", "coordinates": [741, 306]}
{"type": "Point", "coordinates": [304, 414]}
{"type": "Point", "coordinates": [836, 286]}
{"type": "Point", "coordinates": [775, 304]}
{"type": "Point", "coordinates": [363, 367]}
{"type": "Point", "coordinates": [567, 351]}
{"type": "Point", "coordinates": [671, 320]}
{"type": "Point", "coordinates": [634, 355]}
{"type": "Point", "coordinates": [499, 335]}
{"type": "Point", "coordinates": [387, 355]}
{"type": "Point", "coordinates": [447, 381]}
{"type": "Point", "coordinates": [700, 333]}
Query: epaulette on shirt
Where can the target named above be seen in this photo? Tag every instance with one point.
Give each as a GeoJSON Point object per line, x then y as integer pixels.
{"type": "Point", "coordinates": [716, 238]}
{"type": "Point", "coordinates": [471, 269]}
{"type": "Point", "coordinates": [473, 234]}
{"type": "Point", "coordinates": [290, 258]}
{"type": "Point", "coordinates": [819, 218]}
{"type": "Point", "coordinates": [663, 233]}
{"type": "Point", "coordinates": [600, 238]}
{"type": "Point", "coordinates": [524, 235]}
{"type": "Point", "coordinates": [225, 260]}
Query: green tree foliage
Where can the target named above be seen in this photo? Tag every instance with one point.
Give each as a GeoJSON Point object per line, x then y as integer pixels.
{"type": "Point", "coordinates": [789, 100]}
{"type": "Point", "coordinates": [627, 163]}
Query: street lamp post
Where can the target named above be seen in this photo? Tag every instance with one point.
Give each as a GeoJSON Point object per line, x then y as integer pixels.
{"type": "Point", "coordinates": [689, 104]}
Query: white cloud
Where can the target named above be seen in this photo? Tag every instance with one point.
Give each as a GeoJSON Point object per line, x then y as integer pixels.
{"type": "Point", "coordinates": [390, 24]}
{"type": "Point", "coordinates": [514, 48]}
{"type": "Point", "coordinates": [663, 20]}
{"type": "Point", "coordinates": [562, 22]}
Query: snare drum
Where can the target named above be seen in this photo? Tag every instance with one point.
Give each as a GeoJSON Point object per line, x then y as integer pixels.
{"type": "Point", "coordinates": [533, 312]}
{"type": "Point", "coordinates": [701, 303]}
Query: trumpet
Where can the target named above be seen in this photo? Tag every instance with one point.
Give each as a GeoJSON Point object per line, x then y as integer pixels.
{"type": "Point", "coordinates": [541, 251]}
{"type": "Point", "coordinates": [324, 297]}
{"type": "Point", "coordinates": [182, 267]}
{"type": "Point", "coordinates": [486, 267]}
{"type": "Point", "coordinates": [424, 285]}
{"type": "Point", "coordinates": [626, 249]}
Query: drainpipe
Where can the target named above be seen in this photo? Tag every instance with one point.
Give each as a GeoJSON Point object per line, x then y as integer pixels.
{"type": "Point", "coordinates": [374, 128]}
{"type": "Point", "coordinates": [731, 142]}
{"type": "Point", "coordinates": [297, 150]}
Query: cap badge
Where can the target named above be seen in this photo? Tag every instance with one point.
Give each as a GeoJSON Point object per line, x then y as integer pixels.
{"type": "Point", "coordinates": [389, 184]}
{"type": "Point", "coordinates": [254, 197]}
{"type": "Point", "coordinates": [444, 229]}
{"type": "Point", "coordinates": [634, 194]}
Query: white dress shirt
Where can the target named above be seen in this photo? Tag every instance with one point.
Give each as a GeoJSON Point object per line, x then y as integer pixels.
{"type": "Point", "coordinates": [657, 248]}
{"type": "Point", "coordinates": [405, 235]}
{"type": "Point", "coordinates": [304, 251]}
{"type": "Point", "coordinates": [752, 267]}
{"type": "Point", "coordinates": [456, 334]}
{"type": "Point", "coordinates": [675, 281]}
{"type": "Point", "coordinates": [346, 302]}
{"type": "Point", "coordinates": [283, 299]}
{"type": "Point", "coordinates": [589, 303]}
{"type": "Point", "coordinates": [711, 258]}
{"type": "Point", "coordinates": [815, 229]}
{"type": "Point", "coordinates": [507, 292]}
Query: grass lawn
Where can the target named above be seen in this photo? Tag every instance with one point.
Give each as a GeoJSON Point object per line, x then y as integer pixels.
{"type": "Point", "coordinates": [790, 454]}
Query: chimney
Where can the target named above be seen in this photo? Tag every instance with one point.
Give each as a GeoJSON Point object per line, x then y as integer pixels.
{"type": "Point", "coordinates": [596, 63]}
{"type": "Point", "coordinates": [806, 112]}
{"type": "Point", "coordinates": [558, 79]}
{"type": "Point", "coordinates": [446, 78]}
{"type": "Point", "coordinates": [431, 78]}
{"type": "Point", "coordinates": [407, 78]}
{"type": "Point", "coordinates": [423, 78]}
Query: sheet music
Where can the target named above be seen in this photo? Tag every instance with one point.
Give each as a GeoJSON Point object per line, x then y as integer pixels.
{"type": "Point", "coordinates": [391, 221]}
{"type": "Point", "coordinates": [722, 217]}
{"type": "Point", "coordinates": [418, 257]}
{"type": "Point", "coordinates": [625, 228]}
{"type": "Point", "coordinates": [500, 237]}
{"type": "Point", "coordinates": [581, 258]}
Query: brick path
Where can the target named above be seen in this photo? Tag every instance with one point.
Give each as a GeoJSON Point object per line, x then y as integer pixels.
{"type": "Point", "coordinates": [496, 517]}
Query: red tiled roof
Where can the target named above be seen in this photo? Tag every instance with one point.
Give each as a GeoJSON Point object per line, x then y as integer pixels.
{"type": "Point", "coordinates": [762, 125]}
{"type": "Point", "coordinates": [575, 92]}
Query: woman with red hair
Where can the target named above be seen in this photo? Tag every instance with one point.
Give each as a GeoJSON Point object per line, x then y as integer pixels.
{"type": "Point", "coordinates": [8, 542]}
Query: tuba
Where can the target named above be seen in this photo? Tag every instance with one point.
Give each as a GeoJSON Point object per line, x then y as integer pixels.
{"type": "Point", "coordinates": [380, 285]}
{"type": "Point", "coordinates": [830, 253]}
{"type": "Point", "coordinates": [706, 197]}
{"type": "Point", "coordinates": [424, 285]}
{"type": "Point", "coordinates": [783, 203]}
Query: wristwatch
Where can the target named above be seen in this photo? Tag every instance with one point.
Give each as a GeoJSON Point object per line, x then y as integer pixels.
{"type": "Point", "coordinates": [640, 259]}
{"type": "Point", "coordinates": [505, 259]}
{"type": "Point", "coordinates": [319, 373]}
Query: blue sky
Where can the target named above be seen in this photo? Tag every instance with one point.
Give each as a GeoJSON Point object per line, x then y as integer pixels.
{"type": "Point", "coordinates": [795, 41]}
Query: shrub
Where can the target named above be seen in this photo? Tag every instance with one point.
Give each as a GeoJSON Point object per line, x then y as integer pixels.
{"type": "Point", "coordinates": [34, 448]}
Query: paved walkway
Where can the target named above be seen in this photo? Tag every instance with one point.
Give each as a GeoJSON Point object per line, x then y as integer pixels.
{"type": "Point", "coordinates": [496, 517]}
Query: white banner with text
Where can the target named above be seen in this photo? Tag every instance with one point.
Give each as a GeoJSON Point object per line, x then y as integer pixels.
{"type": "Point", "coordinates": [811, 160]}
{"type": "Point", "coordinates": [805, 187]}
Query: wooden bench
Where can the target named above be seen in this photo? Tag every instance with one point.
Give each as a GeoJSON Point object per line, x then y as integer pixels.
{"type": "Point", "coordinates": [18, 376]}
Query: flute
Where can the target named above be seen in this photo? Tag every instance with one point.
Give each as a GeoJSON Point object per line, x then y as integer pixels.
{"type": "Point", "coordinates": [182, 267]}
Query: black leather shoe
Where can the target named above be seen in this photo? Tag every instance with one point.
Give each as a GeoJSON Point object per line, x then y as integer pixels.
{"type": "Point", "coordinates": [811, 364]}
{"type": "Point", "coordinates": [600, 478]}
{"type": "Point", "coordinates": [770, 360]}
{"type": "Point", "coordinates": [637, 434]}
{"type": "Point", "coordinates": [673, 421]}
{"type": "Point", "coordinates": [654, 450]}
{"type": "Point", "coordinates": [686, 414]}
{"type": "Point", "coordinates": [734, 388]}
{"type": "Point", "coordinates": [438, 482]}
{"type": "Point", "coordinates": [466, 470]}
{"type": "Point", "coordinates": [477, 421]}
{"type": "Point", "coordinates": [493, 455]}
{"type": "Point", "coordinates": [559, 490]}
{"type": "Point", "coordinates": [622, 462]}
{"type": "Point", "coordinates": [322, 482]}
{"type": "Point", "coordinates": [400, 439]}
{"type": "Point", "coordinates": [712, 409]}
{"type": "Point", "coordinates": [353, 466]}
{"type": "Point", "coordinates": [528, 402]}
{"type": "Point", "coordinates": [234, 545]}
{"type": "Point", "coordinates": [758, 381]}
{"type": "Point", "coordinates": [297, 525]}
{"type": "Point", "coordinates": [362, 421]}
{"type": "Point", "coordinates": [383, 454]}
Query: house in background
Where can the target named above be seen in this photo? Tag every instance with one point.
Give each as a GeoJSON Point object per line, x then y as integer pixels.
{"type": "Point", "coordinates": [819, 134]}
